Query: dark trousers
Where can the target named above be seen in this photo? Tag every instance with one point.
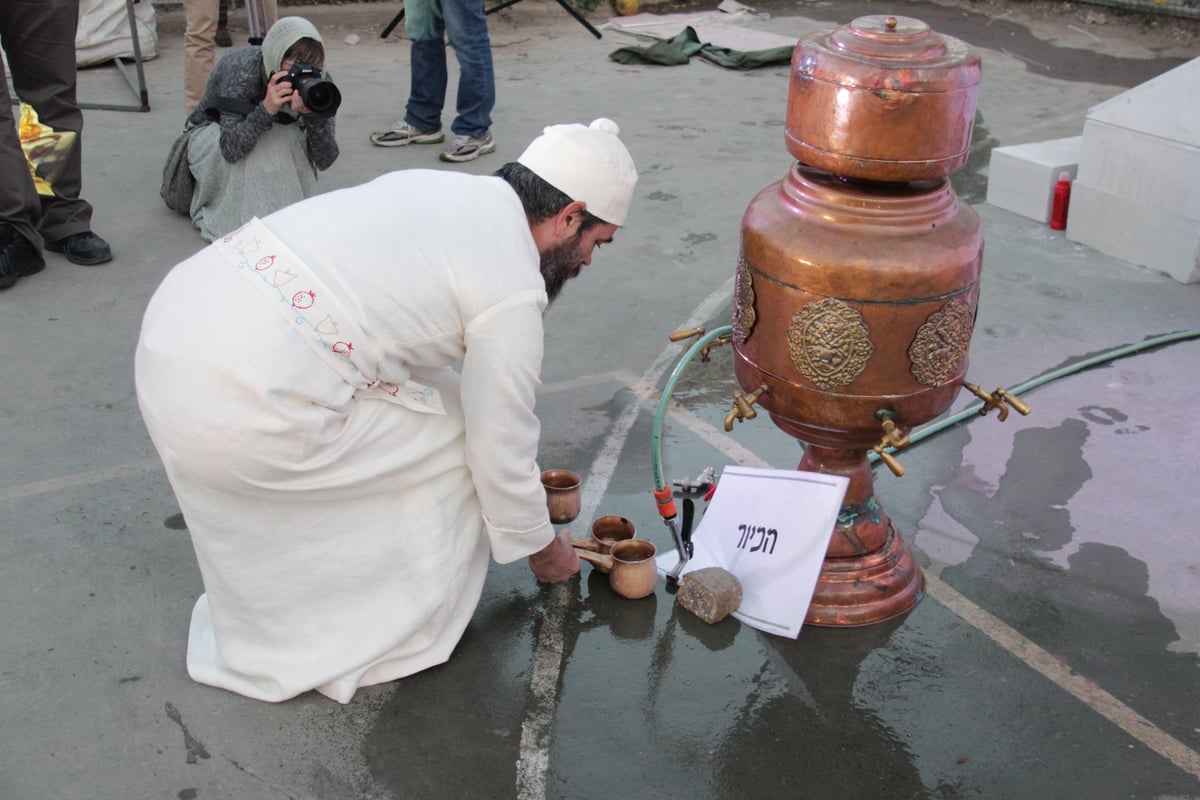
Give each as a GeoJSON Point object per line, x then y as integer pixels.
{"type": "Point", "coordinates": [260, 16]}
{"type": "Point", "coordinates": [38, 37]}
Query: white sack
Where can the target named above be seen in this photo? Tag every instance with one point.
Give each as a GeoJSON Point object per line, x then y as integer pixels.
{"type": "Point", "coordinates": [104, 31]}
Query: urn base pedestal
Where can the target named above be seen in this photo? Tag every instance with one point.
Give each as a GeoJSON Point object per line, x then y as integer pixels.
{"type": "Point", "coordinates": [867, 589]}
{"type": "Point", "coordinates": [869, 574]}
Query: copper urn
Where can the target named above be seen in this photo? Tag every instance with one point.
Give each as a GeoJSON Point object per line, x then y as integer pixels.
{"type": "Point", "coordinates": [858, 281]}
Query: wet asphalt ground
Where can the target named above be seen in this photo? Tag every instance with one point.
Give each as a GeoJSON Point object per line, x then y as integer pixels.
{"type": "Point", "coordinates": [1055, 654]}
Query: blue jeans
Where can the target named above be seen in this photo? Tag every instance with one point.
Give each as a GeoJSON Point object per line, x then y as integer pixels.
{"type": "Point", "coordinates": [428, 23]}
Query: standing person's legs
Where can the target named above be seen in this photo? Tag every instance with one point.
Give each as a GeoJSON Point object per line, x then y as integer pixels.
{"type": "Point", "coordinates": [20, 242]}
{"type": "Point", "coordinates": [467, 30]}
{"type": "Point", "coordinates": [40, 47]}
{"type": "Point", "coordinates": [199, 35]}
{"type": "Point", "coordinates": [19, 205]}
{"type": "Point", "coordinates": [428, 76]}
{"type": "Point", "coordinates": [222, 37]}
{"type": "Point", "coordinates": [422, 123]}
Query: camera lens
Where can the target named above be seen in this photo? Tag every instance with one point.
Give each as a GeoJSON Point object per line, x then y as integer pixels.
{"type": "Point", "coordinates": [321, 97]}
{"type": "Point", "coordinates": [319, 94]}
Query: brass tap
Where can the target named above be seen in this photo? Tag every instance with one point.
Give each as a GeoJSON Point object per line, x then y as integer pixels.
{"type": "Point", "coordinates": [894, 438]}
{"type": "Point", "coordinates": [742, 407]}
{"type": "Point", "coordinates": [685, 333]}
{"type": "Point", "coordinates": [999, 399]}
{"type": "Point", "coordinates": [1012, 400]}
{"type": "Point", "coordinates": [990, 401]}
{"type": "Point", "coordinates": [717, 342]}
{"type": "Point", "coordinates": [688, 333]}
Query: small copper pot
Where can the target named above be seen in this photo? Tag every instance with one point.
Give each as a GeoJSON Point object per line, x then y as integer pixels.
{"type": "Point", "coordinates": [606, 531]}
{"type": "Point", "coordinates": [633, 570]}
{"type": "Point", "coordinates": [562, 495]}
{"type": "Point", "coordinates": [882, 99]}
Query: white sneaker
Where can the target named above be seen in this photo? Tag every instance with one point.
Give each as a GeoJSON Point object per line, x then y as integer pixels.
{"type": "Point", "coordinates": [469, 148]}
{"type": "Point", "coordinates": [402, 133]}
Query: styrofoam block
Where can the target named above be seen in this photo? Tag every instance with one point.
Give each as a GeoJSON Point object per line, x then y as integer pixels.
{"type": "Point", "coordinates": [1163, 107]}
{"type": "Point", "coordinates": [1149, 236]}
{"type": "Point", "coordinates": [1145, 169]}
{"type": "Point", "coordinates": [1137, 196]}
{"type": "Point", "coordinates": [1021, 177]}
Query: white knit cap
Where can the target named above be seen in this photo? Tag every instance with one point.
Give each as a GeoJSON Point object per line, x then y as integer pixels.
{"type": "Point", "coordinates": [589, 164]}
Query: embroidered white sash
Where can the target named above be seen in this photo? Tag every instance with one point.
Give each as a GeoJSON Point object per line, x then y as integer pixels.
{"type": "Point", "coordinates": [288, 283]}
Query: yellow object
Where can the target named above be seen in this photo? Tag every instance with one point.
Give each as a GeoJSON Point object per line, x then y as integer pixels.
{"type": "Point", "coordinates": [625, 7]}
{"type": "Point", "coordinates": [45, 149]}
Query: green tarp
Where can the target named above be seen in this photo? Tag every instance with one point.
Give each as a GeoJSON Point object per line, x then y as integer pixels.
{"type": "Point", "coordinates": [681, 48]}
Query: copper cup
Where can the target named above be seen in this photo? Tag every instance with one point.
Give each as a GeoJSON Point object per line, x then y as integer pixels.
{"type": "Point", "coordinates": [606, 531]}
{"type": "Point", "coordinates": [562, 495]}
{"type": "Point", "coordinates": [633, 572]}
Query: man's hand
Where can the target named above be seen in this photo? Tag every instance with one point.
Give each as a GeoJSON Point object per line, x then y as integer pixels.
{"type": "Point", "coordinates": [556, 561]}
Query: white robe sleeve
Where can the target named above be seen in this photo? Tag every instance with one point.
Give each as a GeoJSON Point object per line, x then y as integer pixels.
{"type": "Point", "coordinates": [500, 376]}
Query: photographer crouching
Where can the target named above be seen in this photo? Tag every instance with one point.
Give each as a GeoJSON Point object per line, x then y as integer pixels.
{"type": "Point", "coordinates": [263, 130]}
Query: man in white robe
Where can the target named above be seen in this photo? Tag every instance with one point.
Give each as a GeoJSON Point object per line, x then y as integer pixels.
{"type": "Point", "coordinates": [342, 482]}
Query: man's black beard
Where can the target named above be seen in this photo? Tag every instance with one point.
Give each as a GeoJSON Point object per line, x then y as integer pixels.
{"type": "Point", "coordinates": [560, 263]}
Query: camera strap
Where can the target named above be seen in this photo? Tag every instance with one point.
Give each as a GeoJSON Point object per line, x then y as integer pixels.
{"type": "Point", "coordinates": [241, 107]}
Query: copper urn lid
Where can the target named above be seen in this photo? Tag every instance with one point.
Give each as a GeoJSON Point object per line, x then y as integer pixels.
{"type": "Point", "coordinates": [884, 98]}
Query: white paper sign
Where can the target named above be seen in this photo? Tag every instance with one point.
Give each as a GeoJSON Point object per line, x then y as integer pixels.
{"type": "Point", "coordinates": [770, 528]}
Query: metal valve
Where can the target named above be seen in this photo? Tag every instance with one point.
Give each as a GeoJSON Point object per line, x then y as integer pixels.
{"type": "Point", "coordinates": [701, 484]}
{"type": "Point", "coordinates": [742, 407]}
{"type": "Point", "coordinates": [688, 333]}
{"type": "Point", "coordinates": [1022, 408]}
{"type": "Point", "coordinates": [999, 399]}
{"type": "Point", "coordinates": [684, 333]}
{"type": "Point", "coordinates": [894, 438]}
{"type": "Point", "coordinates": [717, 342]}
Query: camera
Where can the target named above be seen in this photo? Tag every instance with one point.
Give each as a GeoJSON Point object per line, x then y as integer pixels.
{"type": "Point", "coordinates": [319, 94]}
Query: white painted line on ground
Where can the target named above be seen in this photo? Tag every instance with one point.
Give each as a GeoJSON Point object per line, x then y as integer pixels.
{"type": "Point", "coordinates": [578, 383]}
{"type": "Point", "coordinates": [719, 439]}
{"type": "Point", "coordinates": [154, 465]}
{"type": "Point", "coordinates": [1083, 689]}
{"type": "Point", "coordinates": [534, 757]}
{"type": "Point", "coordinates": [78, 479]}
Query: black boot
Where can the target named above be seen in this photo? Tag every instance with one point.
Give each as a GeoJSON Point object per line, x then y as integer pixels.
{"type": "Point", "coordinates": [84, 248]}
{"type": "Point", "coordinates": [18, 257]}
